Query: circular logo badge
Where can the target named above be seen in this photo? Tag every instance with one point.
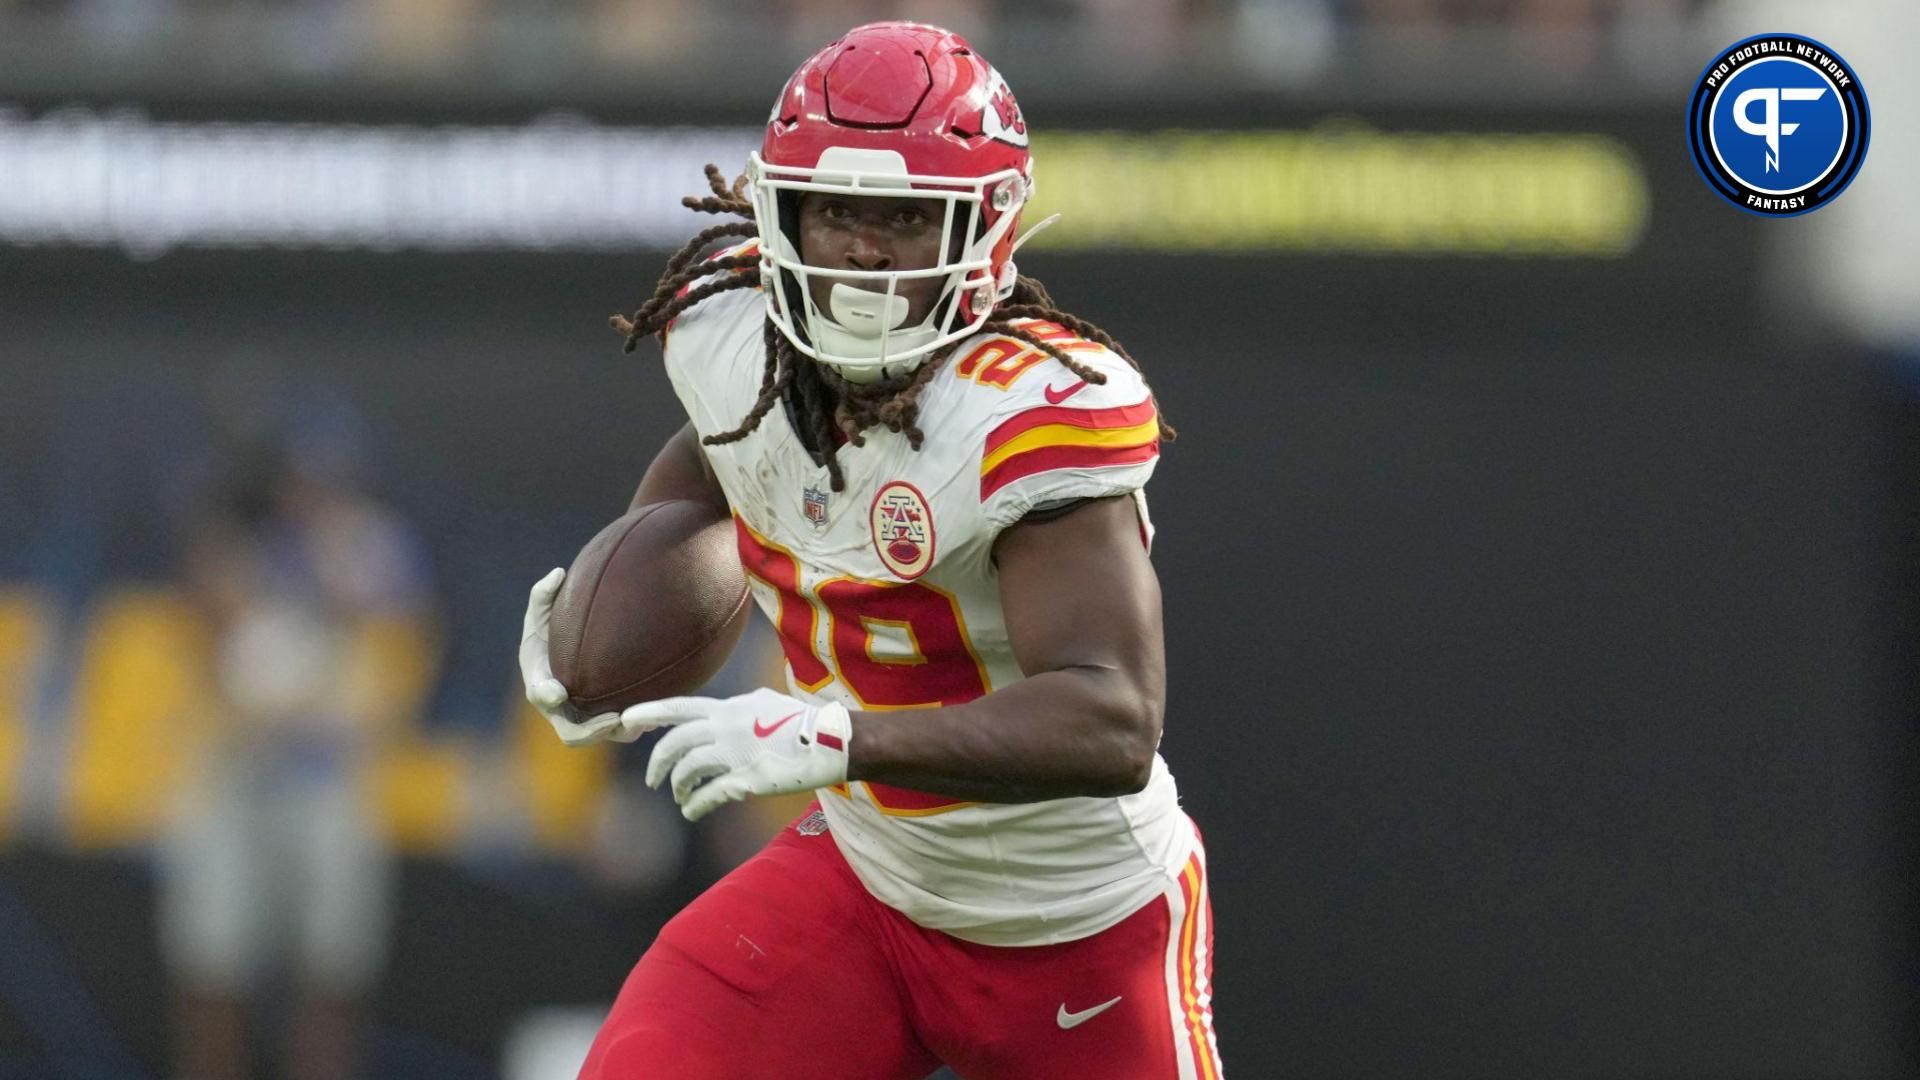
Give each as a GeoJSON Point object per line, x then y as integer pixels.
{"type": "Point", "coordinates": [1778, 125]}
{"type": "Point", "coordinates": [902, 529]}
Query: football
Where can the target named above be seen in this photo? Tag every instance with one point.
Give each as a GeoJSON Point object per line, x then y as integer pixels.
{"type": "Point", "coordinates": [651, 608]}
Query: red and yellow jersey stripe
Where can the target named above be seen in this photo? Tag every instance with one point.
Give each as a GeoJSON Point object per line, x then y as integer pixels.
{"type": "Point", "coordinates": [751, 247]}
{"type": "Point", "coordinates": [1056, 437]}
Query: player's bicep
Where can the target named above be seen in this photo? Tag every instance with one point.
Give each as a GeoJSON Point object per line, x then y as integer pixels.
{"type": "Point", "coordinates": [1078, 592]}
{"type": "Point", "coordinates": [681, 471]}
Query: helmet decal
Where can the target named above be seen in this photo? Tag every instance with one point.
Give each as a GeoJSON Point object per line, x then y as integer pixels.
{"type": "Point", "coordinates": [1001, 118]}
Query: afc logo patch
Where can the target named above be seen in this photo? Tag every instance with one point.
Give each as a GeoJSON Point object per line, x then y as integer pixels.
{"type": "Point", "coordinates": [902, 530]}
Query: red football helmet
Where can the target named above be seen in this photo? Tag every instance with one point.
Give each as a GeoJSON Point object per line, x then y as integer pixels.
{"type": "Point", "coordinates": [892, 108]}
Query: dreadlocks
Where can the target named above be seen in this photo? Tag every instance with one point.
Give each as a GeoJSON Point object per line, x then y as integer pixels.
{"type": "Point", "coordinates": [823, 399]}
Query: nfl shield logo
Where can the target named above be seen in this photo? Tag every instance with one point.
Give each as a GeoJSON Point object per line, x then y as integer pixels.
{"type": "Point", "coordinates": [813, 824]}
{"type": "Point", "coordinates": [815, 506]}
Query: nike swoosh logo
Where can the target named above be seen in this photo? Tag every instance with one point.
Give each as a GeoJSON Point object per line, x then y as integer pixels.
{"type": "Point", "coordinates": [1055, 397]}
{"type": "Point", "coordinates": [764, 730]}
{"type": "Point", "coordinates": [1073, 1020]}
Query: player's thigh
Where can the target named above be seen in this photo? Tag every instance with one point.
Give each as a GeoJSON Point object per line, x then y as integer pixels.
{"type": "Point", "coordinates": [772, 972]}
{"type": "Point", "coordinates": [1133, 1002]}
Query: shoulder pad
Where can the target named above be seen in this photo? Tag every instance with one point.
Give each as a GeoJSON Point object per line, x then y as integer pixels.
{"type": "Point", "coordinates": [747, 248]}
{"type": "Point", "coordinates": [1052, 434]}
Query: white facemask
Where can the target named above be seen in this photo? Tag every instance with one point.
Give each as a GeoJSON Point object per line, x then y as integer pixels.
{"type": "Point", "coordinates": [860, 333]}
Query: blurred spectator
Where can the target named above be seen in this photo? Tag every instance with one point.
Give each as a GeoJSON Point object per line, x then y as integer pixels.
{"type": "Point", "coordinates": [1144, 35]}
{"type": "Point", "coordinates": [424, 34]}
{"type": "Point", "coordinates": [271, 862]}
{"type": "Point", "coordinates": [813, 23]}
{"type": "Point", "coordinates": [536, 42]}
{"type": "Point", "coordinates": [645, 32]}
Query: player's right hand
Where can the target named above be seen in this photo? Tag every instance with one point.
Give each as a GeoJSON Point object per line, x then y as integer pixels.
{"type": "Point", "coordinates": [544, 691]}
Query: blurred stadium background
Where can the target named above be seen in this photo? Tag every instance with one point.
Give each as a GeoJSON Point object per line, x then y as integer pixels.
{"type": "Point", "coordinates": [1538, 550]}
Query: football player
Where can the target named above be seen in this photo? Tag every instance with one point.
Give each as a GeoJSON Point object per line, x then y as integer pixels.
{"type": "Point", "coordinates": [936, 480]}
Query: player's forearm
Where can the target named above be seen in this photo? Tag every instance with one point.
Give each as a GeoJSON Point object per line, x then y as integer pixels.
{"type": "Point", "coordinates": [1073, 732]}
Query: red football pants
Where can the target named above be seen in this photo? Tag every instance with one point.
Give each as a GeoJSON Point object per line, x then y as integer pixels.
{"type": "Point", "coordinates": [788, 969]}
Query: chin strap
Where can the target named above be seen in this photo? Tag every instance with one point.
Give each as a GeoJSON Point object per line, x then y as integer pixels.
{"type": "Point", "coordinates": [1029, 234]}
{"type": "Point", "coordinates": [1009, 272]}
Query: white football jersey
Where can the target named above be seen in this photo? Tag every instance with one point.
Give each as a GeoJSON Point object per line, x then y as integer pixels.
{"type": "Point", "coordinates": [885, 596]}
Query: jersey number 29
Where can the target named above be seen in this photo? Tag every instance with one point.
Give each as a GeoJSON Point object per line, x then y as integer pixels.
{"type": "Point", "coordinates": [937, 665]}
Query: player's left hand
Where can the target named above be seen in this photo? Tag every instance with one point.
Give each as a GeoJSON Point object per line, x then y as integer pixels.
{"type": "Point", "coordinates": [544, 692]}
{"type": "Point", "coordinates": [723, 749]}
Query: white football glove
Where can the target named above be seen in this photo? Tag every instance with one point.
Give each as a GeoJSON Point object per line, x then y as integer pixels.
{"type": "Point", "coordinates": [544, 691]}
{"type": "Point", "coordinates": [762, 743]}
